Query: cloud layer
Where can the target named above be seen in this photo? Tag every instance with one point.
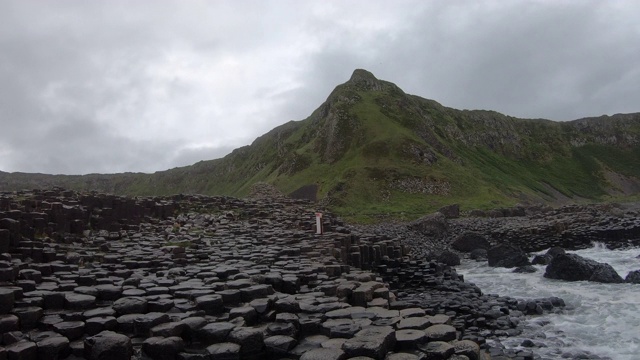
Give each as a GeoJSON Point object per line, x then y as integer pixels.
{"type": "Point", "coordinates": [116, 86]}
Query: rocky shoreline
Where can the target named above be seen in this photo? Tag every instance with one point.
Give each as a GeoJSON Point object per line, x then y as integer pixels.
{"type": "Point", "coordinates": [94, 276]}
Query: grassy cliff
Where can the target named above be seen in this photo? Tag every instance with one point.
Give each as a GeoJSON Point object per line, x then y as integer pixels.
{"type": "Point", "coordinates": [370, 149]}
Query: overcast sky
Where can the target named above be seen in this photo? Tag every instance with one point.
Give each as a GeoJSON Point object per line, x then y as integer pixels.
{"type": "Point", "coordinates": [114, 86]}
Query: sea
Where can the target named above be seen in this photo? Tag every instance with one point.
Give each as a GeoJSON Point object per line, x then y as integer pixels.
{"type": "Point", "coordinates": [600, 321]}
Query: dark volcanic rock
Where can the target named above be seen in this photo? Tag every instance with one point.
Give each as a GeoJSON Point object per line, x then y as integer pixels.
{"type": "Point", "coordinates": [449, 258]}
{"type": "Point", "coordinates": [478, 254]}
{"type": "Point", "coordinates": [525, 269]}
{"type": "Point", "coordinates": [572, 267]}
{"type": "Point", "coordinates": [163, 348]}
{"type": "Point", "coordinates": [633, 277]}
{"type": "Point", "coordinates": [108, 345]}
{"type": "Point", "coordinates": [450, 211]}
{"type": "Point", "coordinates": [469, 241]}
{"type": "Point", "coordinates": [508, 256]}
{"type": "Point", "coordinates": [433, 224]}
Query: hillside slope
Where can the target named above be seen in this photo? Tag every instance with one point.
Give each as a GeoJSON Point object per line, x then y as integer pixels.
{"type": "Point", "coordinates": [371, 149]}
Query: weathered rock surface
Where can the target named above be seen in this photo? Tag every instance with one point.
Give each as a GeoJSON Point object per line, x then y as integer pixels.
{"type": "Point", "coordinates": [191, 277]}
{"type": "Point", "coordinates": [508, 256]}
{"type": "Point", "coordinates": [572, 267]}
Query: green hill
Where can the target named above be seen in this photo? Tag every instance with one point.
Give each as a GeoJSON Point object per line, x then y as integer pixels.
{"type": "Point", "coordinates": [371, 149]}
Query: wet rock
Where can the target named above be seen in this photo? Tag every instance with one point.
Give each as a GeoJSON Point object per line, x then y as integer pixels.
{"type": "Point", "coordinates": [572, 267]}
{"type": "Point", "coordinates": [526, 269]}
{"type": "Point", "coordinates": [633, 277]}
{"type": "Point", "coordinates": [478, 254]}
{"type": "Point", "coordinates": [508, 256]}
{"type": "Point", "coordinates": [541, 259]}
{"type": "Point", "coordinates": [449, 258]}
{"type": "Point", "coordinates": [605, 273]}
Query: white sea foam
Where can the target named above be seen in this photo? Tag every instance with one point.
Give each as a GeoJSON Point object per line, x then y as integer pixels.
{"type": "Point", "coordinates": [602, 319]}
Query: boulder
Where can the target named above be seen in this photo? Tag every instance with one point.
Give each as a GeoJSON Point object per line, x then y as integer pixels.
{"type": "Point", "coordinates": [541, 259]}
{"type": "Point", "coordinates": [108, 345]}
{"type": "Point", "coordinates": [450, 211]}
{"type": "Point", "coordinates": [469, 241]}
{"type": "Point", "coordinates": [633, 277]}
{"type": "Point", "coordinates": [506, 255]}
{"type": "Point", "coordinates": [449, 258]}
{"type": "Point", "coordinates": [548, 256]}
{"type": "Point", "coordinates": [605, 273]}
{"type": "Point", "coordinates": [572, 267]}
{"type": "Point", "coordinates": [556, 250]}
{"type": "Point", "coordinates": [478, 254]}
{"type": "Point", "coordinates": [433, 224]}
{"type": "Point", "coordinates": [526, 269]}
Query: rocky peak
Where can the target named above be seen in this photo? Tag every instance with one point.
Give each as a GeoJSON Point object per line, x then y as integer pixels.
{"type": "Point", "coordinates": [364, 80]}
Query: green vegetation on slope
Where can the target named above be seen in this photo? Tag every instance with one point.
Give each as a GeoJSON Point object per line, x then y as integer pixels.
{"type": "Point", "coordinates": [373, 151]}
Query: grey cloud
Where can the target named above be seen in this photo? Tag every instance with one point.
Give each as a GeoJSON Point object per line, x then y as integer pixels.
{"type": "Point", "coordinates": [144, 86]}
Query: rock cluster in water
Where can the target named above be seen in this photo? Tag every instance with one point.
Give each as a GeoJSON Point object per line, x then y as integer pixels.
{"type": "Point", "coordinates": [98, 276]}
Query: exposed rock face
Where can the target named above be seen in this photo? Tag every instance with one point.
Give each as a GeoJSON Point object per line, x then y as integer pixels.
{"type": "Point", "coordinates": [506, 256]}
{"type": "Point", "coordinates": [434, 224]}
{"type": "Point", "coordinates": [572, 267]}
{"type": "Point", "coordinates": [469, 241]}
{"type": "Point", "coordinates": [568, 227]}
{"type": "Point", "coordinates": [224, 279]}
{"type": "Point", "coordinates": [449, 258]}
{"type": "Point", "coordinates": [633, 277]}
{"type": "Point", "coordinates": [450, 211]}
{"type": "Point", "coordinates": [108, 345]}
